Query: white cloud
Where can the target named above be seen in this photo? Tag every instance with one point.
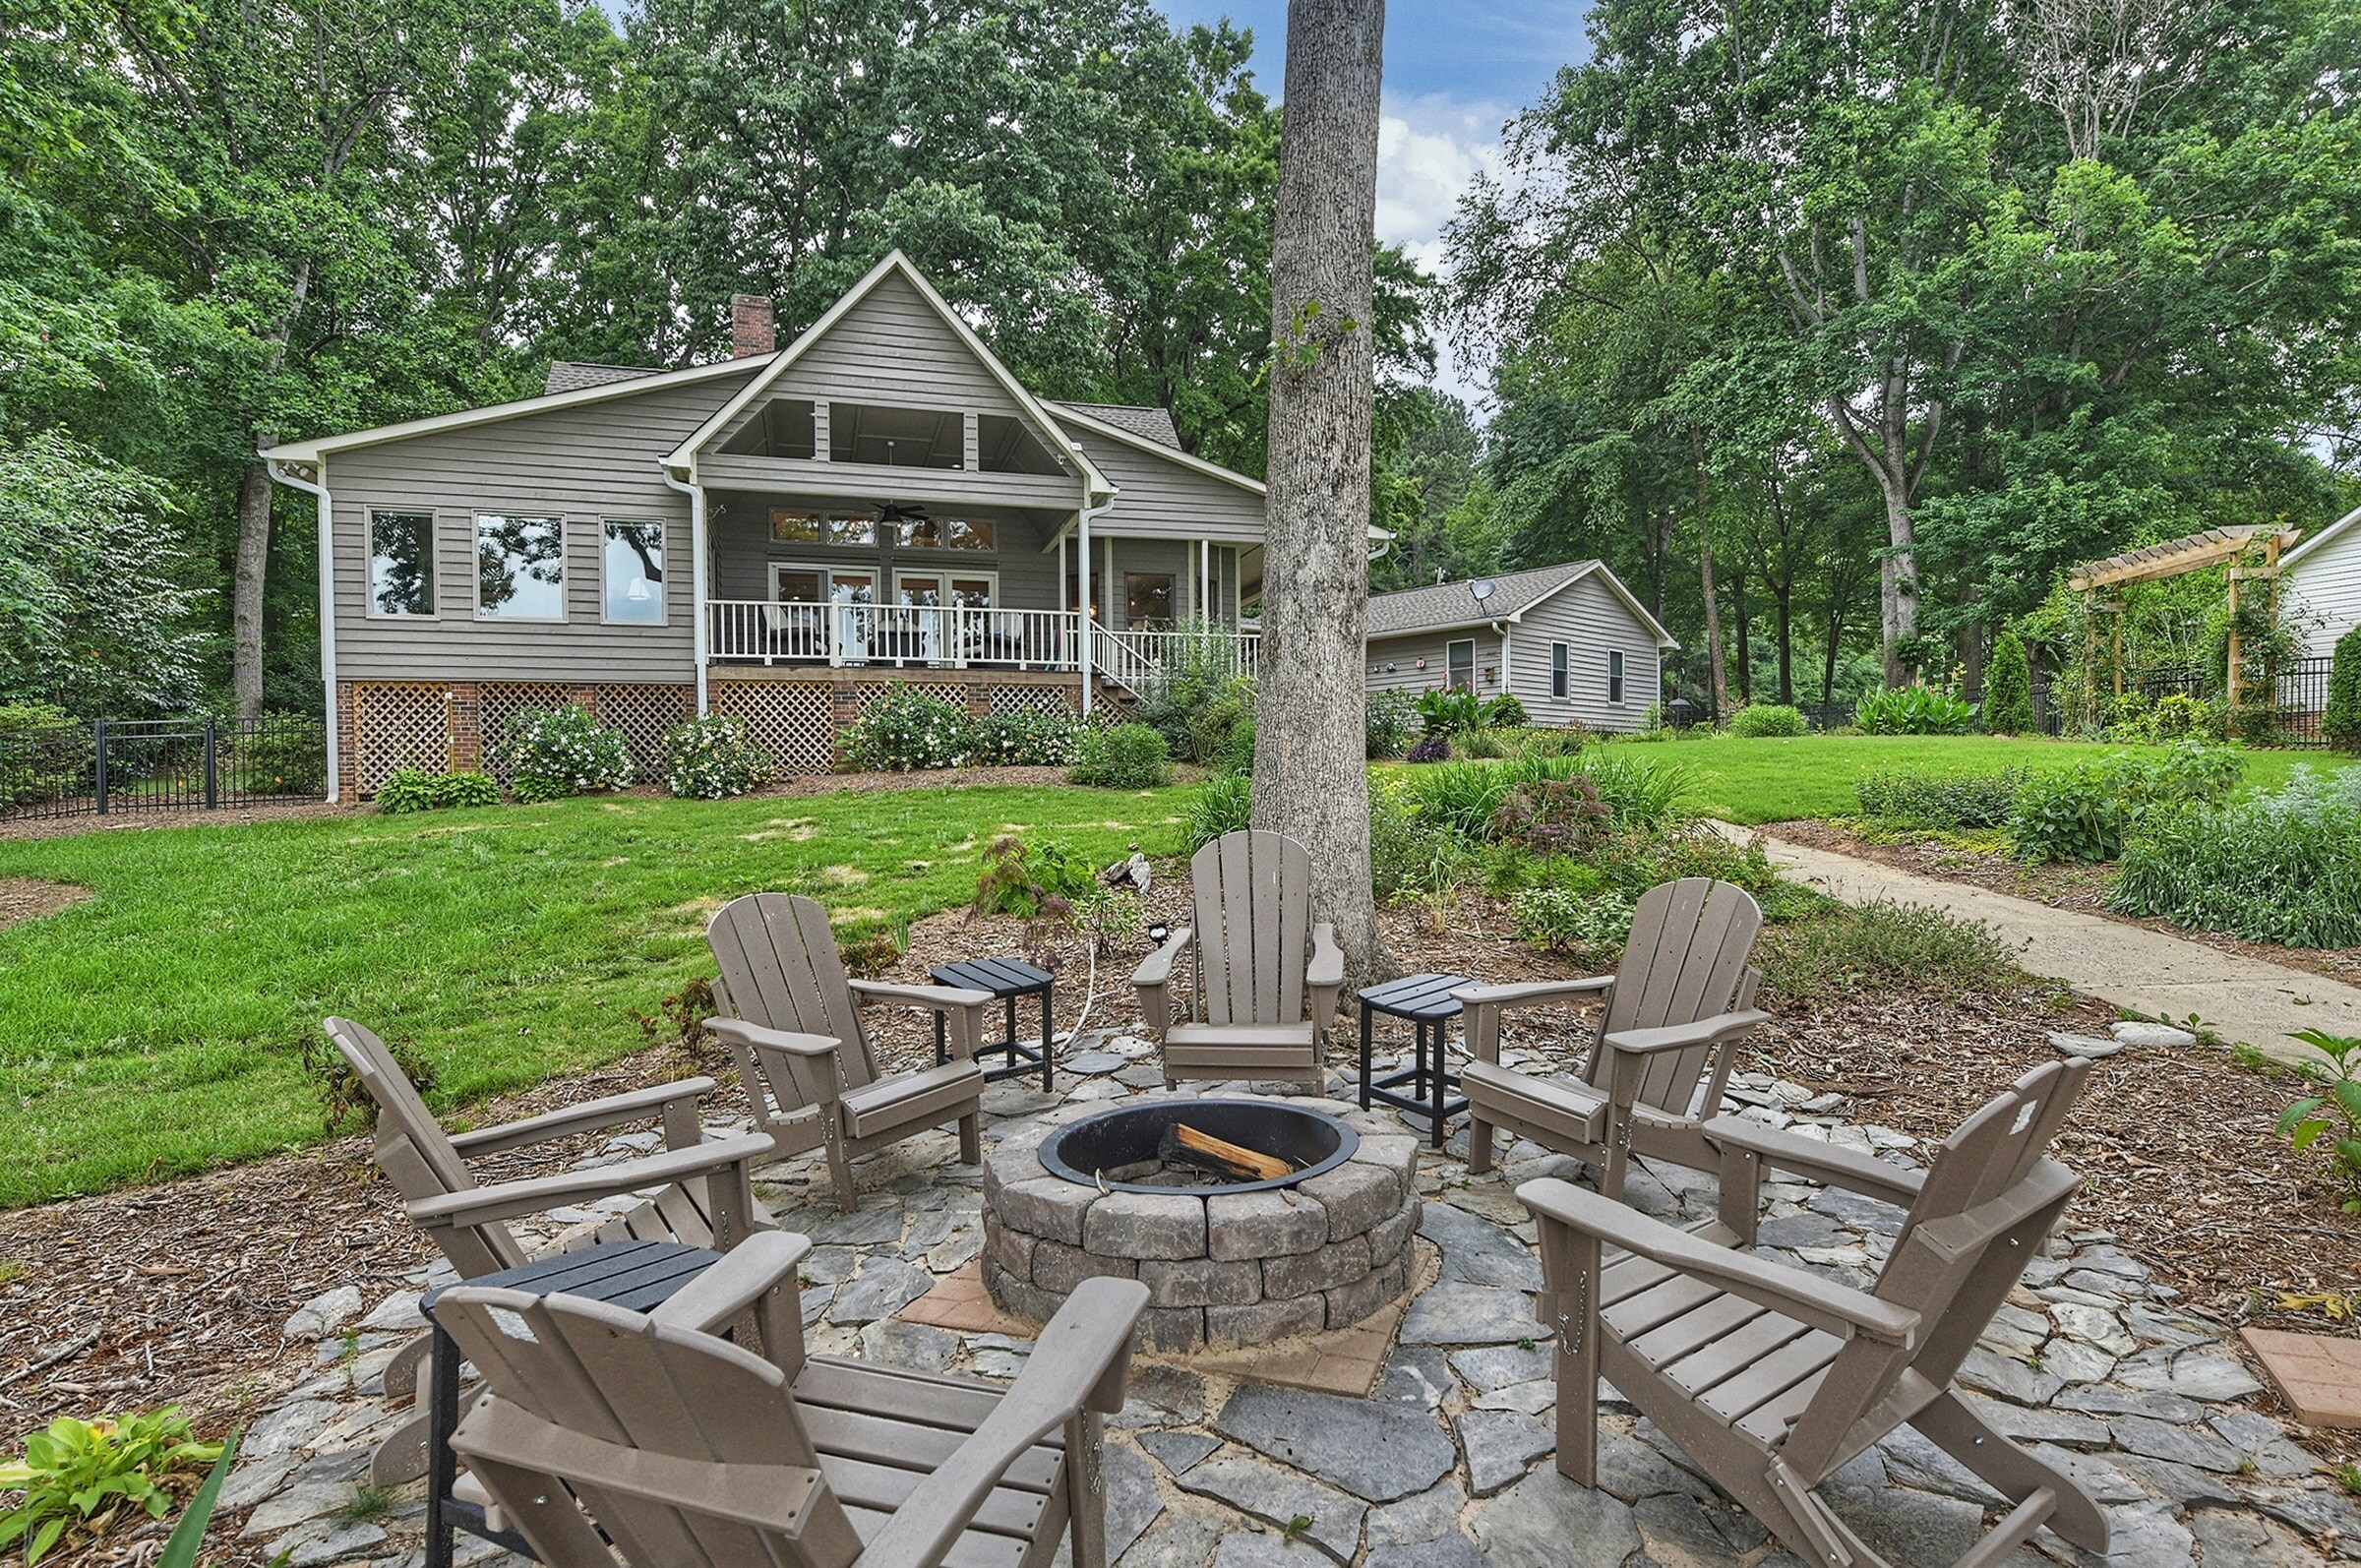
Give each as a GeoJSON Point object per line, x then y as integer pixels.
{"type": "Point", "coordinates": [1428, 150]}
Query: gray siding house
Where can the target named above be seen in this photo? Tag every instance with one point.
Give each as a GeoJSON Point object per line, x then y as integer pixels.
{"type": "Point", "coordinates": [1569, 641]}
{"type": "Point", "coordinates": [780, 537]}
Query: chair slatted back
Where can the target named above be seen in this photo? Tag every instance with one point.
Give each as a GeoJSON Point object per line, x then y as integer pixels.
{"type": "Point", "coordinates": [1686, 960]}
{"type": "Point", "coordinates": [1989, 1200]}
{"type": "Point", "coordinates": [780, 969]}
{"type": "Point", "coordinates": [415, 1153]}
{"type": "Point", "coordinates": [620, 1389]}
{"type": "Point", "coordinates": [1254, 933]}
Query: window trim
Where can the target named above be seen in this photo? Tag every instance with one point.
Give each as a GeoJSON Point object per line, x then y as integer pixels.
{"type": "Point", "coordinates": [662, 586]}
{"type": "Point", "coordinates": [1450, 685]}
{"type": "Point", "coordinates": [1616, 669]}
{"type": "Point", "coordinates": [434, 539]}
{"type": "Point", "coordinates": [1561, 672]}
{"type": "Point", "coordinates": [944, 575]}
{"type": "Point", "coordinates": [475, 550]}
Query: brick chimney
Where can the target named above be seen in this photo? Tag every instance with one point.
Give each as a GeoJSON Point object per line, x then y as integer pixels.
{"type": "Point", "coordinates": [750, 325]}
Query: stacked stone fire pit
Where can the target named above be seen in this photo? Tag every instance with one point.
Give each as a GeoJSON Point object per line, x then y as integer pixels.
{"type": "Point", "coordinates": [1228, 1262]}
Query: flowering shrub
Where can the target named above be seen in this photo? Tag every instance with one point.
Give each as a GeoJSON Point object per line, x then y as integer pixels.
{"type": "Point", "coordinates": [906, 730]}
{"type": "Point", "coordinates": [711, 758]}
{"type": "Point", "coordinates": [1026, 740]}
{"type": "Point", "coordinates": [549, 754]}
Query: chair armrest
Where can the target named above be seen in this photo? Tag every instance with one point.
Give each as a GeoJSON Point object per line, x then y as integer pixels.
{"type": "Point", "coordinates": [715, 1298]}
{"type": "Point", "coordinates": [1077, 1364]}
{"type": "Point", "coordinates": [1154, 978]}
{"type": "Point", "coordinates": [1325, 977]}
{"type": "Point", "coordinates": [1682, 1037]}
{"type": "Point", "coordinates": [1807, 1298]}
{"type": "Point", "coordinates": [507, 1199]}
{"type": "Point", "coordinates": [1483, 1005]}
{"type": "Point", "coordinates": [1848, 1169]}
{"type": "Point", "coordinates": [738, 1032]}
{"type": "Point", "coordinates": [961, 1008]}
{"type": "Point", "coordinates": [588, 1117]}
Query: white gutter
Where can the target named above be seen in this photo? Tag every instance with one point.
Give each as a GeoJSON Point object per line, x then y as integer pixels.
{"type": "Point", "coordinates": [697, 575]}
{"type": "Point", "coordinates": [1082, 584]}
{"type": "Point", "coordinates": [328, 605]}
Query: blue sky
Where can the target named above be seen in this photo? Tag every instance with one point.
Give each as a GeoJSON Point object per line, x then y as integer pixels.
{"type": "Point", "coordinates": [1453, 72]}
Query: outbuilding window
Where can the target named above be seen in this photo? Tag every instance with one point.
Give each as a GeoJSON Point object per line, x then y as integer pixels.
{"type": "Point", "coordinates": [1615, 675]}
{"type": "Point", "coordinates": [1558, 671]}
{"type": "Point", "coordinates": [1459, 665]}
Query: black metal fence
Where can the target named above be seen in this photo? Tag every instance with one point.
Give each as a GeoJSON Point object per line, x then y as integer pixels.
{"type": "Point", "coordinates": [186, 764]}
{"type": "Point", "coordinates": [2299, 694]}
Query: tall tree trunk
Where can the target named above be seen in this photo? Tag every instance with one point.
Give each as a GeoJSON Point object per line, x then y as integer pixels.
{"type": "Point", "coordinates": [246, 589]}
{"type": "Point", "coordinates": [1742, 634]}
{"type": "Point", "coordinates": [1897, 583]}
{"type": "Point", "coordinates": [1717, 688]}
{"type": "Point", "coordinates": [1310, 776]}
{"type": "Point", "coordinates": [1783, 613]}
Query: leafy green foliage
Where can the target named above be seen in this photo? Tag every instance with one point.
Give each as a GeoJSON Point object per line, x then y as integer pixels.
{"type": "Point", "coordinates": [1884, 947]}
{"type": "Point", "coordinates": [43, 751]}
{"type": "Point", "coordinates": [1026, 740]}
{"type": "Point", "coordinates": [549, 754]}
{"type": "Point", "coordinates": [712, 757]}
{"type": "Point", "coordinates": [2332, 1118]}
{"type": "Point", "coordinates": [2085, 813]}
{"type": "Point", "coordinates": [1388, 717]}
{"type": "Point", "coordinates": [1032, 880]}
{"type": "Point", "coordinates": [188, 1532]}
{"type": "Point", "coordinates": [1197, 702]}
{"type": "Point", "coordinates": [82, 1475]}
{"type": "Point", "coordinates": [286, 756]}
{"type": "Point", "coordinates": [2008, 687]}
{"type": "Point", "coordinates": [1450, 711]}
{"type": "Point", "coordinates": [1567, 918]}
{"type": "Point", "coordinates": [1504, 711]}
{"type": "Point", "coordinates": [906, 730]}
{"type": "Point", "coordinates": [2282, 868]}
{"type": "Point", "coordinates": [1941, 802]}
{"type": "Point", "coordinates": [345, 1105]}
{"type": "Point", "coordinates": [1122, 757]}
{"type": "Point", "coordinates": [1913, 710]}
{"type": "Point", "coordinates": [1642, 792]}
{"type": "Point", "coordinates": [1433, 749]}
{"type": "Point", "coordinates": [414, 789]}
{"type": "Point", "coordinates": [1551, 816]}
{"type": "Point", "coordinates": [2340, 720]}
{"type": "Point", "coordinates": [1223, 803]}
{"type": "Point", "coordinates": [1759, 719]}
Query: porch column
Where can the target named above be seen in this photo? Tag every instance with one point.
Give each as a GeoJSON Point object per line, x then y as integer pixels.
{"type": "Point", "coordinates": [1081, 599]}
{"type": "Point", "coordinates": [1209, 608]}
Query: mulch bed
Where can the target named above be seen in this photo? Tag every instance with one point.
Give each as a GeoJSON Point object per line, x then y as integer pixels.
{"type": "Point", "coordinates": [2080, 889]}
{"type": "Point", "coordinates": [146, 821]}
{"type": "Point", "coordinates": [186, 1285]}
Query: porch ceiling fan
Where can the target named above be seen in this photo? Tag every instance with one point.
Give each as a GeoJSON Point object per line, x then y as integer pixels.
{"type": "Point", "coordinates": [895, 511]}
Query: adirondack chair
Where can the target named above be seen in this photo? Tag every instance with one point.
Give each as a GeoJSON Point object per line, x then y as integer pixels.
{"type": "Point", "coordinates": [793, 1018]}
{"type": "Point", "coordinates": [707, 1195]}
{"type": "Point", "coordinates": [686, 1450]}
{"type": "Point", "coordinates": [1683, 998]}
{"type": "Point", "coordinates": [1260, 961]}
{"type": "Point", "coordinates": [1775, 1378]}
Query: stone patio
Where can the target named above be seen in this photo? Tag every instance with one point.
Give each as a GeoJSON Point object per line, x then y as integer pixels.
{"type": "Point", "coordinates": [1219, 1461]}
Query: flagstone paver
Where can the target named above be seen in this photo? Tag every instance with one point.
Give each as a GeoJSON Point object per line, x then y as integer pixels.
{"type": "Point", "coordinates": [1215, 1464]}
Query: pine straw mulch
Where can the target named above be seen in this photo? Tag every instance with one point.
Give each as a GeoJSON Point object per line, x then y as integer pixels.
{"type": "Point", "coordinates": [2080, 889]}
{"type": "Point", "coordinates": [185, 1285]}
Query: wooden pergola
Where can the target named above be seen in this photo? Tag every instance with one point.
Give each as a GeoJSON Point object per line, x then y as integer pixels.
{"type": "Point", "coordinates": [2172, 559]}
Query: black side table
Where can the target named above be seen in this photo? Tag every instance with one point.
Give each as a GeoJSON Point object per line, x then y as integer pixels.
{"type": "Point", "coordinates": [1008, 979]}
{"type": "Point", "coordinates": [637, 1276]}
{"type": "Point", "coordinates": [1427, 1001]}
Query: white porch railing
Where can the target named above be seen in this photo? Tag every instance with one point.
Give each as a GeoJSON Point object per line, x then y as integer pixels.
{"type": "Point", "coordinates": [805, 633]}
{"type": "Point", "coordinates": [762, 631]}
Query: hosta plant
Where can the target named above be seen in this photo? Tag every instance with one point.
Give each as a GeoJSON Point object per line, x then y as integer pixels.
{"type": "Point", "coordinates": [80, 1474]}
{"type": "Point", "coordinates": [2331, 1118]}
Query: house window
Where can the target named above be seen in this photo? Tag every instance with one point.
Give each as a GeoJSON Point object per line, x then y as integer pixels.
{"type": "Point", "coordinates": [401, 563]}
{"type": "Point", "coordinates": [634, 573]}
{"type": "Point", "coordinates": [1459, 665]}
{"type": "Point", "coordinates": [790, 527]}
{"type": "Point", "coordinates": [519, 567]}
{"type": "Point", "coordinates": [1615, 675]}
{"type": "Point", "coordinates": [959, 590]}
{"type": "Point", "coordinates": [1558, 671]}
{"type": "Point", "coordinates": [797, 528]}
{"type": "Point", "coordinates": [1148, 601]}
{"type": "Point", "coordinates": [792, 583]}
{"type": "Point", "coordinates": [945, 533]}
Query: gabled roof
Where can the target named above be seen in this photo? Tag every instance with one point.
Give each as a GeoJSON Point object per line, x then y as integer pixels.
{"type": "Point", "coordinates": [684, 456]}
{"type": "Point", "coordinates": [571, 375]}
{"type": "Point", "coordinates": [2340, 525]}
{"type": "Point", "coordinates": [1450, 606]}
{"type": "Point", "coordinates": [631, 385]}
{"type": "Point", "coordinates": [1155, 424]}
{"type": "Point", "coordinates": [1073, 413]}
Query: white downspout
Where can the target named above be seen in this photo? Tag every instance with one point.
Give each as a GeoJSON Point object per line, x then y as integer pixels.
{"type": "Point", "coordinates": [328, 608]}
{"type": "Point", "coordinates": [696, 577]}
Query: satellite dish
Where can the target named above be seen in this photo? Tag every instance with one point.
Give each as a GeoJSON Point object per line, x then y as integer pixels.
{"type": "Point", "coordinates": [1484, 588]}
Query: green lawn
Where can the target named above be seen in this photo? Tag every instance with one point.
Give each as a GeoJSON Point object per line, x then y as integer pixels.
{"type": "Point", "coordinates": [157, 1029]}
{"type": "Point", "coordinates": [1780, 780]}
